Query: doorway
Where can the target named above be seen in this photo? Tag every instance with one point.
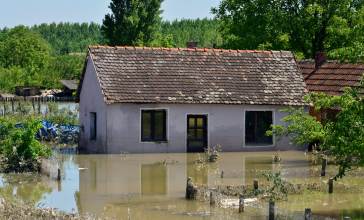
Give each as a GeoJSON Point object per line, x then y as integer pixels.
{"type": "Point", "coordinates": [196, 133]}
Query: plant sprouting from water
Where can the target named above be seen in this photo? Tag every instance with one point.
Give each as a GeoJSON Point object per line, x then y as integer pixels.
{"type": "Point", "coordinates": [277, 188]}
{"type": "Point", "coordinates": [212, 153]}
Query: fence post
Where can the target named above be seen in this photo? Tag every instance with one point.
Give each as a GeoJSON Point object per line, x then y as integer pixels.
{"type": "Point", "coordinates": [271, 210]}
{"type": "Point", "coordinates": [12, 106]}
{"type": "Point", "coordinates": [33, 104]}
{"type": "Point", "coordinates": [331, 185]}
{"type": "Point", "coordinates": [39, 110]}
{"type": "Point", "coordinates": [59, 174]}
{"type": "Point", "coordinates": [256, 184]}
{"type": "Point", "coordinates": [241, 203]}
{"type": "Point", "coordinates": [323, 167]}
{"type": "Point", "coordinates": [308, 214]}
{"type": "Point", "coordinates": [212, 198]}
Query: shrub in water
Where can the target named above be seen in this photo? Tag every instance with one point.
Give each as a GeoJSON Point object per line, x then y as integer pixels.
{"type": "Point", "coordinates": [19, 148]}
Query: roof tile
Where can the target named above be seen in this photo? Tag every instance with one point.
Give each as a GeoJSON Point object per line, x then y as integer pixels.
{"type": "Point", "coordinates": [216, 76]}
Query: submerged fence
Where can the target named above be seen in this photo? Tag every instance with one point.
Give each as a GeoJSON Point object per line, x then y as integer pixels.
{"type": "Point", "coordinates": [37, 105]}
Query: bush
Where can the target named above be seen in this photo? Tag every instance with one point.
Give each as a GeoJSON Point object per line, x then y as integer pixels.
{"type": "Point", "coordinates": [20, 150]}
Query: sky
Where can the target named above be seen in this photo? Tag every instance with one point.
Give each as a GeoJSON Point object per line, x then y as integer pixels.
{"type": "Point", "coordinates": [30, 12]}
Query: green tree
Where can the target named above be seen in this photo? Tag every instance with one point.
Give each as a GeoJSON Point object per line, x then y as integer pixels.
{"type": "Point", "coordinates": [132, 22]}
{"type": "Point", "coordinates": [25, 49]}
{"type": "Point", "coordinates": [341, 137]}
{"type": "Point", "coordinates": [303, 26]}
{"type": "Point", "coordinates": [66, 38]}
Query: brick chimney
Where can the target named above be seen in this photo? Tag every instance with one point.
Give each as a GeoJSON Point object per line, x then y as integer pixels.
{"type": "Point", "coordinates": [320, 58]}
{"type": "Point", "coordinates": [192, 44]}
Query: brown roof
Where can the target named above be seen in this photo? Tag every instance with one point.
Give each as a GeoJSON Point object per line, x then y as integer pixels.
{"type": "Point", "coordinates": [70, 84]}
{"type": "Point", "coordinates": [214, 76]}
{"type": "Point", "coordinates": [331, 77]}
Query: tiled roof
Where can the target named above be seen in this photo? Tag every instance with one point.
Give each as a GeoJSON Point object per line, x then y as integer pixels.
{"type": "Point", "coordinates": [204, 76]}
{"type": "Point", "coordinates": [331, 77]}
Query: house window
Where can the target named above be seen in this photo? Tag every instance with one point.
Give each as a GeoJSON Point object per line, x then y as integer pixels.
{"type": "Point", "coordinates": [154, 125]}
{"type": "Point", "coordinates": [93, 126]}
{"type": "Point", "coordinates": [256, 125]}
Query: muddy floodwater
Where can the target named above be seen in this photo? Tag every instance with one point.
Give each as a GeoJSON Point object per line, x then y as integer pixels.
{"type": "Point", "coordinates": [152, 186]}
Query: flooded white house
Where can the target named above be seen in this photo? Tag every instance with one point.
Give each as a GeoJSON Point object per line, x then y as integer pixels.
{"type": "Point", "coordinates": [159, 100]}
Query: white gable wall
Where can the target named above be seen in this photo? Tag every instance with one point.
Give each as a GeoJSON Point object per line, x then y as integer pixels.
{"type": "Point", "coordinates": [92, 100]}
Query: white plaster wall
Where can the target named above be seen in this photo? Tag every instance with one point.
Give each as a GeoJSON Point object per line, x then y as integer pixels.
{"type": "Point", "coordinates": [225, 127]}
{"type": "Point", "coordinates": [92, 100]}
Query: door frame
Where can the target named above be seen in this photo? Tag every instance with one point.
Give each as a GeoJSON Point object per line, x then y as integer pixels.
{"type": "Point", "coordinates": [186, 128]}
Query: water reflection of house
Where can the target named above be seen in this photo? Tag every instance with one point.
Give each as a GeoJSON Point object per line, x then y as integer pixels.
{"type": "Point", "coordinates": [134, 180]}
{"type": "Point", "coordinates": [142, 100]}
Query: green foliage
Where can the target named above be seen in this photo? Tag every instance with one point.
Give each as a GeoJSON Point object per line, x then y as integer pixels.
{"type": "Point", "coordinates": [277, 188]}
{"type": "Point", "coordinates": [132, 22]}
{"type": "Point", "coordinates": [301, 26]}
{"type": "Point", "coordinates": [20, 150]}
{"type": "Point", "coordinates": [203, 31]}
{"type": "Point", "coordinates": [66, 38]}
{"type": "Point", "coordinates": [341, 137]}
{"type": "Point", "coordinates": [23, 48]}
{"type": "Point", "coordinates": [302, 127]}
{"type": "Point", "coordinates": [11, 77]}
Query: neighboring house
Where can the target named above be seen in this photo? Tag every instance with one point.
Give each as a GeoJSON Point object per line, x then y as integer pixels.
{"type": "Point", "coordinates": [330, 77]}
{"type": "Point", "coordinates": [69, 87]}
{"type": "Point", "coordinates": [141, 100]}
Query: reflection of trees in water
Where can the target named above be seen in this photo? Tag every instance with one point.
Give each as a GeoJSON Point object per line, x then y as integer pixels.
{"type": "Point", "coordinates": [27, 188]}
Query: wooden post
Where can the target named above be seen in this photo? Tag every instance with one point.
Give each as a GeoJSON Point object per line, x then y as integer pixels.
{"type": "Point", "coordinates": [271, 210]}
{"type": "Point", "coordinates": [241, 203]}
{"type": "Point", "coordinates": [33, 104]}
{"type": "Point", "coordinates": [191, 190]}
{"type": "Point", "coordinates": [331, 185]}
{"type": "Point", "coordinates": [256, 184]}
{"type": "Point", "coordinates": [12, 106]}
{"type": "Point", "coordinates": [222, 175]}
{"type": "Point", "coordinates": [212, 198]}
{"type": "Point", "coordinates": [39, 110]}
{"type": "Point", "coordinates": [4, 102]}
{"type": "Point", "coordinates": [308, 214]}
{"type": "Point", "coordinates": [59, 174]}
{"type": "Point", "coordinates": [323, 167]}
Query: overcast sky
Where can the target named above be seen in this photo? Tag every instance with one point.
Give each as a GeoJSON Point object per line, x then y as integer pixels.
{"type": "Point", "coordinates": [29, 12]}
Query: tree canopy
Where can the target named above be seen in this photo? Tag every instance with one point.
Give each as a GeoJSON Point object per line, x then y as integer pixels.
{"type": "Point", "coordinates": [23, 48]}
{"type": "Point", "coordinates": [340, 137]}
{"type": "Point", "coordinates": [131, 22]}
{"type": "Point", "coordinates": [68, 38]}
{"type": "Point", "coordinates": [305, 27]}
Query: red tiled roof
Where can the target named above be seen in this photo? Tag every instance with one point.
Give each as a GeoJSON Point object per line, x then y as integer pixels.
{"type": "Point", "coordinates": [331, 77]}
{"type": "Point", "coordinates": [198, 76]}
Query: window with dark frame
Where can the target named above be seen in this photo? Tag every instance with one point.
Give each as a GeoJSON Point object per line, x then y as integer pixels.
{"type": "Point", "coordinates": [93, 126]}
{"type": "Point", "coordinates": [257, 123]}
{"type": "Point", "coordinates": [154, 126]}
